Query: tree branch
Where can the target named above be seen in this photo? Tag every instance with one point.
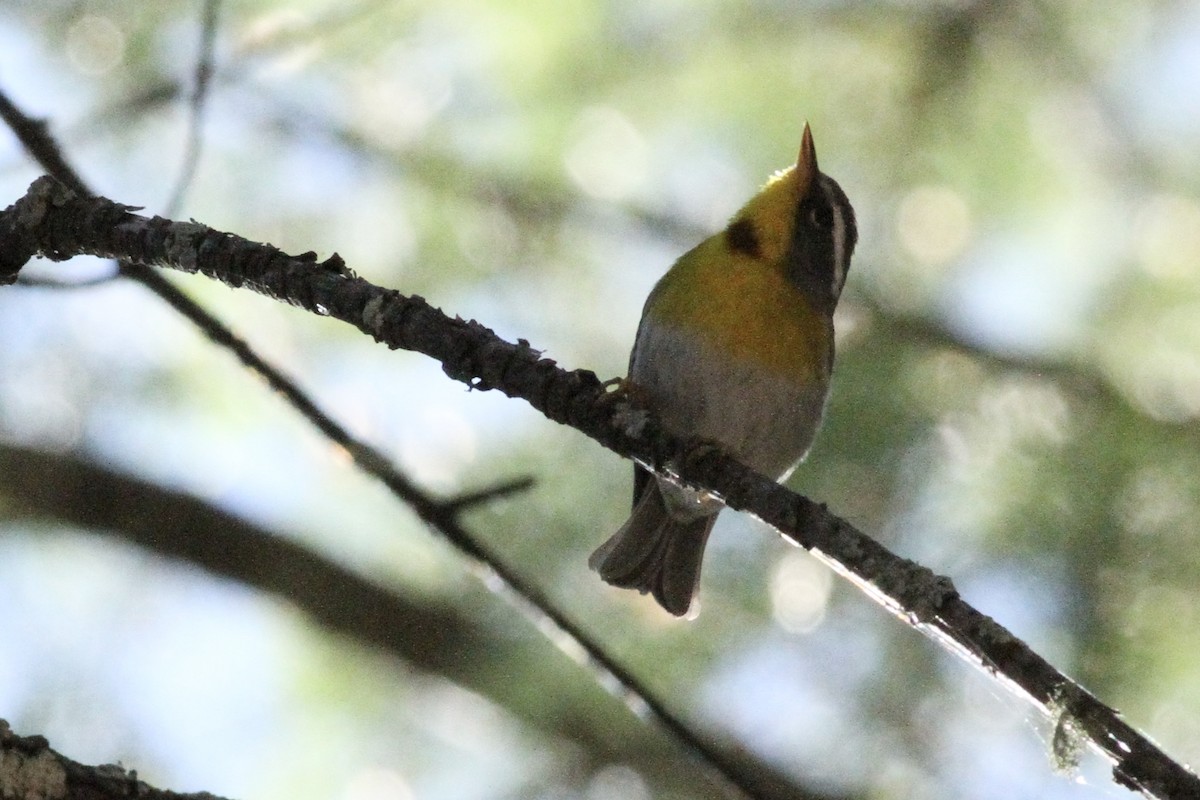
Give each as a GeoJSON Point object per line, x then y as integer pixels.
{"type": "Point", "coordinates": [30, 770]}
{"type": "Point", "coordinates": [53, 222]}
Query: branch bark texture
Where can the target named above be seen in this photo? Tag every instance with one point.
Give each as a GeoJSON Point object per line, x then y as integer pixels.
{"type": "Point", "coordinates": [30, 770]}
{"type": "Point", "coordinates": [53, 222]}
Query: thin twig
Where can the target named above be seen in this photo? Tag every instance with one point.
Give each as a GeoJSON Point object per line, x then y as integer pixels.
{"type": "Point", "coordinates": [35, 137]}
{"type": "Point", "coordinates": [467, 500]}
{"type": "Point", "coordinates": [202, 79]}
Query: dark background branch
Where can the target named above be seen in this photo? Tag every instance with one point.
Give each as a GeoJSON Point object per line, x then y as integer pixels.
{"type": "Point", "coordinates": [38, 487]}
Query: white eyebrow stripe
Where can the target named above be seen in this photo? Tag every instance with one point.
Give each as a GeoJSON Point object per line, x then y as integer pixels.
{"type": "Point", "coordinates": [839, 236]}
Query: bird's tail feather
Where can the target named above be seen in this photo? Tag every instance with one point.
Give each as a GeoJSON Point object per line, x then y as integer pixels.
{"type": "Point", "coordinates": [655, 552]}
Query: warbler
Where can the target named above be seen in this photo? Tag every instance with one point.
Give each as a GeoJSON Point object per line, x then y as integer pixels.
{"type": "Point", "coordinates": [735, 346]}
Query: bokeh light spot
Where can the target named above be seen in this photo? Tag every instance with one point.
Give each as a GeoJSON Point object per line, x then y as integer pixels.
{"type": "Point", "coordinates": [800, 589]}
{"type": "Point", "coordinates": [617, 782]}
{"type": "Point", "coordinates": [934, 224]}
{"type": "Point", "coordinates": [95, 45]}
{"type": "Point", "coordinates": [1168, 236]}
{"type": "Point", "coordinates": [607, 158]}
{"type": "Point", "coordinates": [377, 784]}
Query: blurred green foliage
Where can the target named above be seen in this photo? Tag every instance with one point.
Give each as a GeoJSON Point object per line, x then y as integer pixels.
{"type": "Point", "coordinates": [1015, 402]}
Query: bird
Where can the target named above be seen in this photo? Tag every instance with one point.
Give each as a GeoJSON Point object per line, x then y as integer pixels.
{"type": "Point", "coordinates": [735, 347]}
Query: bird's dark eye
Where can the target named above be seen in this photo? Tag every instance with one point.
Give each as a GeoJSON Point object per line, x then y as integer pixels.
{"type": "Point", "coordinates": [821, 217]}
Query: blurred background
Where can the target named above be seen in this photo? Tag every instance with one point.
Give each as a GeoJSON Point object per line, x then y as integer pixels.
{"type": "Point", "coordinates": [1015, 400]}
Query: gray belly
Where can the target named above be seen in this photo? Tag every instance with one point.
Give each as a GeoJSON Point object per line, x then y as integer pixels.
{"type": "Point", "coordinates": [767, 421]}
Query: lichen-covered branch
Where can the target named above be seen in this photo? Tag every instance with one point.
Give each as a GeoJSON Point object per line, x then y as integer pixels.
{"type": "Point", "coordinates": [53, 222]}
{"type": "Point", "coordinates": [30, 770]}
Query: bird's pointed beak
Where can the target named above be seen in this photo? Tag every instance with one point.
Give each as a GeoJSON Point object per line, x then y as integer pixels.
{"type": "Point", "coordinates": [806, 163]}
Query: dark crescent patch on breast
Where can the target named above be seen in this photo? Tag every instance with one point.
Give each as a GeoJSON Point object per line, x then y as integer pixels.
{"type": "Point", "coordinates": [743, 238]}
